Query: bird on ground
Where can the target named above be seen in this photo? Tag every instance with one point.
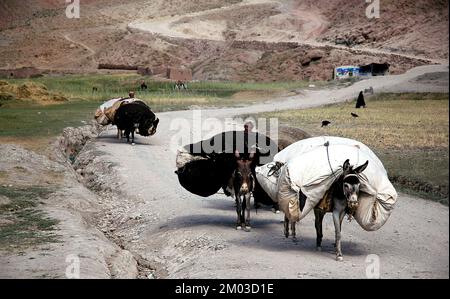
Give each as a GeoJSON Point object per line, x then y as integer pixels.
{"type": "Point", "coordinates": [354, 114]}
{"type": "Point", "coordinates": [325, 123]}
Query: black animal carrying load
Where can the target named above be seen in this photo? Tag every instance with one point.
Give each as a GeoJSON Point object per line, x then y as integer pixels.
{"type": "Point", "coordinates": [136, 114]}
{"type": "Point", "coordinates": [206, 166]}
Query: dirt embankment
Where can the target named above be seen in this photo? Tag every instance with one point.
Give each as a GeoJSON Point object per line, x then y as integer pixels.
{"type": "Point", "coordinates": [49, 217]}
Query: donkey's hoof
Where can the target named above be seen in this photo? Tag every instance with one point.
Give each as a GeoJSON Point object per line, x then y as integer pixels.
{"type": "Point", "coordinates": [247, 228]}
{"type": "Point", "coordinates": [238, 227]}
{"type": "Point", "coordinates": [319, 248]}
{"type": "Point", "coordinates": [339, 258]}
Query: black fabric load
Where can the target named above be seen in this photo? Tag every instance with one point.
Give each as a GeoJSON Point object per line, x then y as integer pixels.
{"type": "Point", "coordinates": [206, 166]}
{"type": "Point", "coordinates": [137, 112]}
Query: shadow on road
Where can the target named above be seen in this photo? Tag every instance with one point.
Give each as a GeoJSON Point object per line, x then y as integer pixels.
{"type": "Point", "coordinates": [112, 139]}
{"type": "Point", "coordinates": [266, 234]}
{"type": "Point", "coordinates": [223, 221]}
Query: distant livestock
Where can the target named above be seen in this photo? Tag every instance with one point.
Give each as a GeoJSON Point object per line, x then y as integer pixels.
{"type": "Point", "coordinates": [180, 85]}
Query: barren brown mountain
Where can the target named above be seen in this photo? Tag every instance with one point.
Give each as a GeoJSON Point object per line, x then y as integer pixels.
{"type": "Point", "coordinates": [224, 40]}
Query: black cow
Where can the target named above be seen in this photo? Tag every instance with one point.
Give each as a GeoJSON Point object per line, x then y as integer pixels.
{"type": "Point", "coordinates": [136, 115]}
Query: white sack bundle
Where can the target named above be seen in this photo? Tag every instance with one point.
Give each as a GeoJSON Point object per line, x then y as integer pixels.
{"type": "Point", "coordinates": [104, 115]}
{"type": "Point", "coordinates": [312, 165]}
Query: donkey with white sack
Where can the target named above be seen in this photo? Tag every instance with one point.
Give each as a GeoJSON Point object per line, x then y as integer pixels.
{"type": "Point", "coordinates": [329, 174]}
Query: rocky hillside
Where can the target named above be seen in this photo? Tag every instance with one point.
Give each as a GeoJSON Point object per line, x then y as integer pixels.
{"type": "Point", "coordinates": [223, 40]}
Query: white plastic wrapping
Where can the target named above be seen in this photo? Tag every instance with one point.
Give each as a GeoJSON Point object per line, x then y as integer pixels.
{"type": "Point", "coordinates": [312, 167]}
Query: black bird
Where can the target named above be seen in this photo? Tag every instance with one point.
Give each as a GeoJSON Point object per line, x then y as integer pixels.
{"type": "Point", "coordinates": [325, 123]}
{"type": "Point", "coordinates": [354, 114]}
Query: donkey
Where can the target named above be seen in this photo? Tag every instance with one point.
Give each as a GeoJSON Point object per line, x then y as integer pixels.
{"type": "Point", "coordinates": [241, 184]}
{"type": "Point", "coordinates": [341, 199]}
{"type": "Point", "coordinates": [180, 85]}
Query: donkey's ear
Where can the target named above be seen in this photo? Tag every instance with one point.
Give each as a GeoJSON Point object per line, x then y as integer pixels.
{"type": "Point", "coordinates": [346, 165]}
{"type": "Point", "coordinates": [361, 168]}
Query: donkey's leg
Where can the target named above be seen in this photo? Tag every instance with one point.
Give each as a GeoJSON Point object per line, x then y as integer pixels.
{"type": "Point", "coordinates": [318, 222]}
{"type": "Point", "coordinates": [243, 209]}
{"type": "Point", "coordinates": [338, 213]}
{"type": "Point", "coordinates": [286, 226]}
{"type": "Point", "coordinates": [238, 212]}
{"type": "Point", "coordinates": [294, 235]}
{"type": "Point", "coordinates": [127, 134]}
{"type": "Point", "coordinates": [247, 210]}
{"type": "Point", "coordinates": [275, 208]}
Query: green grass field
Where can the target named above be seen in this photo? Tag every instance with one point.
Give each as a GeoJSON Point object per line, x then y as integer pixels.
{"type": "Point", "coordinates": [24, 223]}
{"type": "Point", "coordinates": [44, 121]}
{"type": "Point", "coordinates": [80, 87]}
{"type": "Point", "coordinates": [409, 132]}
{"type": "Point", "coordinates": [33, 124]}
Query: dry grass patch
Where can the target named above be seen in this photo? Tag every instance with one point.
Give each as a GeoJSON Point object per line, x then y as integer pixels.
{"type": "Point", "coordinates": [409, 132]}
{"type": "Point", "coordinates": [389, 122]}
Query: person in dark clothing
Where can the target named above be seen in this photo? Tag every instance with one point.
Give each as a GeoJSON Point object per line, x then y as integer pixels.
{"type": "Point", "coordinates": [360, 101]}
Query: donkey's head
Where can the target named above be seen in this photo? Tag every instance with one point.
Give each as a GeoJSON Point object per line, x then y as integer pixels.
{"type": "Point", "coordinates": [243, 177]}
{"type": "Point", "coordinates": [148, 127]}
{"type": "Point", "coordinates": [351, 183]}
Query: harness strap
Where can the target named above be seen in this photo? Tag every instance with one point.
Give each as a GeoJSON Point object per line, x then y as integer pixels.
{"type": "Point", "coordinates": [327, 145]}
{"type": "Point", "coordinates": [275, 169]}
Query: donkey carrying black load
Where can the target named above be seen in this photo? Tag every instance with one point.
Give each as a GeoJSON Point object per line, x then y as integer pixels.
{"type": "Point", "coordinates": [241, 184]}
{"type": "Point", "coordinates": [136, 116]}
{"type": "Point", "coordinates": [129, 115]}
{"type": "Point", "coordinates": [227, 161]}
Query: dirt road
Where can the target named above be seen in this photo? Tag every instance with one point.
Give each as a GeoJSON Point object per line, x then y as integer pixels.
{"type": "Point", "coordinates": [186, 236]}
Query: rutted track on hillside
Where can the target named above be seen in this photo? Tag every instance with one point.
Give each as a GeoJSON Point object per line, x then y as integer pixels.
{"type": "Point", "coordinates": [213, 30]}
